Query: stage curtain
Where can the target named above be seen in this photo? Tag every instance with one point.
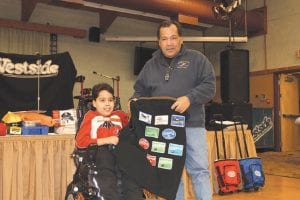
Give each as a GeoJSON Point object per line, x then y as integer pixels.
{"type": "Point", "coordinates": [24, 42]}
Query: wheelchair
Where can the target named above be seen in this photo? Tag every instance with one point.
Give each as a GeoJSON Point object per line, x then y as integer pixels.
{"type": "Point", "coordinates": [84, 185]}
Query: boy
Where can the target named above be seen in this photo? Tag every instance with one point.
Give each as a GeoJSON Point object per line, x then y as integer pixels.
{"type": "Point", "coordinates": [101, 126]}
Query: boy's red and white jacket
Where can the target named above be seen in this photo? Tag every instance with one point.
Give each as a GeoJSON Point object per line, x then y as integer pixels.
{"type": "Point", "coordinates": [96, 126]}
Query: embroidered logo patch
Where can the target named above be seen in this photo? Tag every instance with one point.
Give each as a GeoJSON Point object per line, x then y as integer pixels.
{"type": "Point", "coordinates": [151, 131]}
{"type": "Point", "coordinates": [175, 149]}
{"type": "Point", "coordinates": [178, 120]}
{"type": "Point", "coordinates": [231, 174]}
{"type": "Point", "coordinates": [183, 64]}
{"type": "Point", "coordinates": [165, 163]}
{"type": "Point", "coordinates": [257, 173]}
{"type": "Point", "coordinates": [158, 147]}
{"type": "Point", "coordinates": [144, 143]}
{"type": "Point", "coordinates": [161, 120]}
{"type": "Point", "coordinates": [144, 117]}
{"type": "Point", "coordinates": [151, 159]}
{"type": "Point", "coordinates": [168, 134]}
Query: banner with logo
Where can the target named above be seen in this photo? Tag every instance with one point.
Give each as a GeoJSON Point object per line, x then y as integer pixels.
{"type": "Point", "coordinates": [24, 78]}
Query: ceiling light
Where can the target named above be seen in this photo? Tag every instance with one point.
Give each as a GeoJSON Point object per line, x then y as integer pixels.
{"type": "Point", "coordinates": [225, 8]}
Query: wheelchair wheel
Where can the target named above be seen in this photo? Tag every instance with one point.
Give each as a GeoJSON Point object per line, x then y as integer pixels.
{"type": "Point", "coordinates": [77, 196]}
{"type": "Point", "coordinates": [72, 195]}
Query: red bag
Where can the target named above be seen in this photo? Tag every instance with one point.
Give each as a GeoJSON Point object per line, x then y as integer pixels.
{"type": "Point", "coordinates": [227, 171]}
{"type": "Point", "coordinates": [3, 129]}
{"type": "Point", "coordinates": [228, 175]}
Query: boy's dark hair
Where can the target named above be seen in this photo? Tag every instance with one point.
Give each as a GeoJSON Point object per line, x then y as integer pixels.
{"type": "Point", "coordinates": [99, 87]}
{"type": "Point", "coordinates": [168, 23]}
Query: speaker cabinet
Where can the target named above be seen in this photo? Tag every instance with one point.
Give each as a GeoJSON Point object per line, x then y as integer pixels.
{"type": "Point", "coordinates": [235, 76]}
{"type": "Point", "coordinates": [94, 34]}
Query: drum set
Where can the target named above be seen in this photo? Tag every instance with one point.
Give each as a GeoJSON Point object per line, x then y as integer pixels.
{"type": "Point", "coordinates": [85, 98]}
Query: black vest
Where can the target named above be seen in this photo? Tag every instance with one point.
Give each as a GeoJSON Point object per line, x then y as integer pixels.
{"type": "Point", "coordinates": [151, 149]}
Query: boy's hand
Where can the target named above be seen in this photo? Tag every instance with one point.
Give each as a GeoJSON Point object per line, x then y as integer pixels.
{"type": "Point", "coordinates": [113, 140]}
{"type": "Point", "coordinates": [108, 140]}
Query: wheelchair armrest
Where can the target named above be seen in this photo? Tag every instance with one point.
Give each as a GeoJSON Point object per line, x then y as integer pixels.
{"type": "Point", "coordinates": [85, 155]}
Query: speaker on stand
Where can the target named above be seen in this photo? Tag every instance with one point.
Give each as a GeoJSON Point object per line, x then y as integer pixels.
{"type": "Point", "coordinates": [235, 76]}
{"type": "Point", "coordinates": [234, 87]}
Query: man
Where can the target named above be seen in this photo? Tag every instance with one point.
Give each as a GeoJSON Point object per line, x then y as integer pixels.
{"type": "Point", "coordinates": [188, 76]}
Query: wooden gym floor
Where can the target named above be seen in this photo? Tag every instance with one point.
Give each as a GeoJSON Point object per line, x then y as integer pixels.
{"type": "Point", "coordinates": [276, 188]}
{"type": "Point", "coordinates": [282, 173]}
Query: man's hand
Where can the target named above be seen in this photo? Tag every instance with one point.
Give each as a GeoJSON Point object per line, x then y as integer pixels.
{"type": "Point", "coordinates": [181, 104]}
{"type": "Point", "coordinates": [128, 106]}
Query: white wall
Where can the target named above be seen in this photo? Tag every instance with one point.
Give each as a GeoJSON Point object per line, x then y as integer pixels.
{"type": "Point", "coordinates": [283, 38]}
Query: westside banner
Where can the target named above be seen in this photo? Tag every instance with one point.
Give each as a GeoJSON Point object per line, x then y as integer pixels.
{"type": "Point", "coordinates": [22, 75]}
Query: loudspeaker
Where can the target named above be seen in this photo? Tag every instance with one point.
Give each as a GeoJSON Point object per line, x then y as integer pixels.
{"type": "Point", "coordinates": [235, 76]}
{"type": "Point", "coordinates": [94, 34]}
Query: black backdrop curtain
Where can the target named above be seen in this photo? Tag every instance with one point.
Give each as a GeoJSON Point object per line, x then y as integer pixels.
{"type": "Point", "coordinates": [19, 82]}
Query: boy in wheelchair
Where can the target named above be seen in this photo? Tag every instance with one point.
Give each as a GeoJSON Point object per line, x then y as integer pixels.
{"type": "Point", "coordinates": [97, 176]}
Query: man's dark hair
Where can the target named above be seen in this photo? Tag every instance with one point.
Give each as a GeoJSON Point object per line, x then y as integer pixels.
{"type": "Point", "coordinates": [99, 87]}
{"type": "Point", "coordinates": [168, 23]}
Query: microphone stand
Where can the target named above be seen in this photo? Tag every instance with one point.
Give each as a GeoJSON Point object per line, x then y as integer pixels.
{"type": "Point", "coordinates": [114, 79]}
{"type": "Point", "coordinates": [39, 63]}
{"type": "Point", "coordinates": [117, 79]}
